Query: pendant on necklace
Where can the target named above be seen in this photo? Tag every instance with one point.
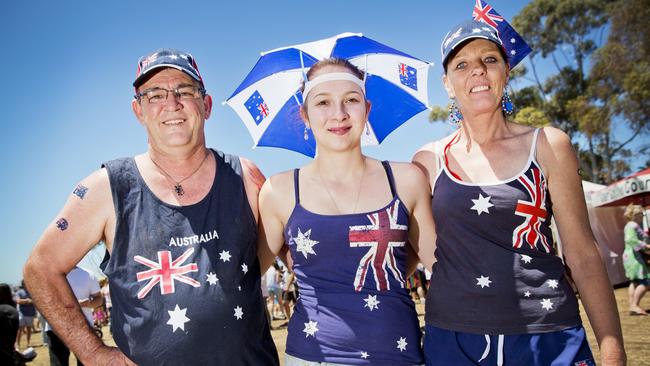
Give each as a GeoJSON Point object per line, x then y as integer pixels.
{"type": "Point", "coordinates": [179, 189]}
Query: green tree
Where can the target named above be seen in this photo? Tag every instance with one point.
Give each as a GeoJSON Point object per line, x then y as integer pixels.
{"type": "Point", "coordinates": [590, 104]}
{"type": "Point", "coordinates": [620, 80]}
{"type": "Point", "coordinates": [562, 31]}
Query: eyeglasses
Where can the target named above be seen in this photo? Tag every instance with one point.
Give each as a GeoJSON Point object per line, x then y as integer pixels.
{"type": "Point", "coordinates": [159, 95]}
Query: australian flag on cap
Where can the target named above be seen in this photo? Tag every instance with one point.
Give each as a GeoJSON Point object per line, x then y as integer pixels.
{"type": "Point", "coordinates": [515, 46]}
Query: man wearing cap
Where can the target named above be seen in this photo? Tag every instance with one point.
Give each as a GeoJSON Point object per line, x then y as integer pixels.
{"type": "Point", "coordinates": [180, 226]}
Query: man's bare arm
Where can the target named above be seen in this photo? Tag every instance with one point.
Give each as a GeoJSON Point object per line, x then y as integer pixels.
{"type": "Point", "coordinates": [81, 224]}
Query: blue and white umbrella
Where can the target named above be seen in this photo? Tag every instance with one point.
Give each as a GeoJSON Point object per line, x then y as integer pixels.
{"type": "Point", "coordinates": [269, 98]}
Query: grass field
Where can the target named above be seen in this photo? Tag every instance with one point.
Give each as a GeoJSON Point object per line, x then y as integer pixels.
{"type": "Point", "coordinates": [636, 331]}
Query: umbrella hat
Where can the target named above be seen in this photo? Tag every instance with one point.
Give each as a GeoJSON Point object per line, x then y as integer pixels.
{"type": "Point", "coordinates": [269, 99]}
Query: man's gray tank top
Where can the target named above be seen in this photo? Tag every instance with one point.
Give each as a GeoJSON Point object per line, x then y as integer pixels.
{"type": "Point", "coordinates": [185, 280]}
{"type": "Point", "coordinates": [497, 271]}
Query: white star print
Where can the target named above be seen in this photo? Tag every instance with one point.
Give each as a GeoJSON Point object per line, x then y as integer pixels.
{"type": "Point", "coordinates": [225, 255]}
{"type": "Point", "coordinates": [371, 302]}
{"type": "Point", "coordinates": [552, 283]}
{"type": "Point", "coordinates": [512, 40]}
{"type": "Point", "coordinates": [513, 52]}
{"type": "Point", "coordinates": [364, 355]}
{"type": "Point", "coordinates": [482, 204]}
{"type": "Point", "coordinates": [547, 304]}
{"type": "Point", "coordinates": [177, 318]}
{"type": "Point", "coordinates": [310, 329]}
{"type": "Point", "coordinates": [239, 313]}
{"type": "Point", "coordinates": [401, 344]}
{"type": "Point", "coordinates": [527, 294]}
{"type": "Point", "coordinates": [483, 281]}
{"type": "Point", "coordinates": [526, 258]}
{"type": "Point", "coordinates": [476, 30]}
{"type": "Point", "coordinates": [173, 57]}
{"type": "Point", "coordinates": [212, 278]}
{"type": "Point", "coordinates": [304, 243]}
{"type": "Point", "coordinates": [244, 268]}
{"type": "Point", "coordinates": [239, 288]}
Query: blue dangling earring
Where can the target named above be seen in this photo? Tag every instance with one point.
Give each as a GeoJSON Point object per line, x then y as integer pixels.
{"type": "Point", "coordinates": [454, 113]}
{"type": "Point", "coordinates": [506, 104]}
{"type": "Point", "coordinates": [305, 135]}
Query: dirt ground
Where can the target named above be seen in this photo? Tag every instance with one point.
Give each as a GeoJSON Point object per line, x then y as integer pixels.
{"type": "Point", "coordinates": [636, 332]}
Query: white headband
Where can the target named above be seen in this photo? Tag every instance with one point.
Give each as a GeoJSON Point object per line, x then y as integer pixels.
{"type": "Point", "coordinates": [333, 76]}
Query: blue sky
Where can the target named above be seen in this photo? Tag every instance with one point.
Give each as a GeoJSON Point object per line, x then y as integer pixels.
{"type": "Point", "coordinates": [67, 69]}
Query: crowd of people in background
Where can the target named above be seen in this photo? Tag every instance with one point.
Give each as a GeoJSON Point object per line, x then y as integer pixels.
{"type": "Point", "coordinates": [21, 321]}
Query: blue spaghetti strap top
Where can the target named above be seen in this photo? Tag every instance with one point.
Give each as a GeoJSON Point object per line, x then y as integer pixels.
{"type": "Point", "coordinates": [497, 271]}
{"type": "Point", "coordinates": [353, 308]}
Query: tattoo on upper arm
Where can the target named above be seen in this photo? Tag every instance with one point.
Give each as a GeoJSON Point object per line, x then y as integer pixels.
{"type": "Point", "coordinates": [80, 191]}
{"type": "Point", "coordinates": [62, 224]}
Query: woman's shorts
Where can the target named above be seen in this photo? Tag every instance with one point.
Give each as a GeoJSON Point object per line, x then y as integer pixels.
{"type": "Point", "coordinates": [25, 321]}
{"type": "Point", "coordinates": [645, 282]}
{"type": "Point", "coordinates": [567, 347]}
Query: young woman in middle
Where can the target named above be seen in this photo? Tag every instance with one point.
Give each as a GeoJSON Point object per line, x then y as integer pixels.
{"type": "Point", "coordinates": [354, 227]}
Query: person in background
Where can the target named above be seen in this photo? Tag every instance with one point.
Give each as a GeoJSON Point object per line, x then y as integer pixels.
{"type": "Point", "coordinates": [26, 311]}
{"type": "Point", "coordinates": [273, 282]}
{"type": "Point", "coordinates": [289, 293]}
{"type": "Point", "coordinates": [636, 268]}
{"type": "Point", "coordinates": [106, 294]}
{"type": "Point", "coordinates": [9, 320]}
{"type": "Point", "coordinates": [9, 324]}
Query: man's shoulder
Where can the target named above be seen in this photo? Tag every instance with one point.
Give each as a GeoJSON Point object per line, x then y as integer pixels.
{"type": "Point", "coordinates": [112, 164]}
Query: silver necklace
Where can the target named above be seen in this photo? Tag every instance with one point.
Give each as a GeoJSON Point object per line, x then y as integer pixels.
{"type": "Point", "coordinates": [178, 188]}
{"type": "Point", "coordinates": [356, 201]}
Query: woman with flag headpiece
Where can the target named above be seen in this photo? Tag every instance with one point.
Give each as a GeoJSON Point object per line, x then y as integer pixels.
{"type": "Point", "coordinates": [499, 294]}
{"type": "Point", "coordinates": [351, 224]}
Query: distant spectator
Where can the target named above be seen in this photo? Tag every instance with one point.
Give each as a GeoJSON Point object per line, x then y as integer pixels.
{"type": "Point", "coordinates": [273, 278]}
{"type": "Point", "coordinates": [106, 293]}
{"type": "Point", "coordinates": [636, 269]}
{"type": "Point", "coordinates": [8, 326]}
{"type": "Point", "coordinates": [26, 312]}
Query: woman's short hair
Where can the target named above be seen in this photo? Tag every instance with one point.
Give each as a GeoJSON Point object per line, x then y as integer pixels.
{"type": "Point", "coordinates": [632, 210]}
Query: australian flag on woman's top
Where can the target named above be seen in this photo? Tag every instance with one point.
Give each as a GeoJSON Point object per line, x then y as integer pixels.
{"type": "Point", "coordinates": [515, 46]}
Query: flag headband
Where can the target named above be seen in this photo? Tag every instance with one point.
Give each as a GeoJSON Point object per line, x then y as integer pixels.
{"type": "Point", "coordinates": [332, 76]}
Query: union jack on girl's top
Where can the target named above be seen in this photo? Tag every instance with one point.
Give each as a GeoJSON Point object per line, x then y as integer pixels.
{"type": "Point", "coordinates": [381, 237]}
{"type": "Point", "coordinates": [534, 213]}
{"type": "Point", "coordinates": [515, 46]}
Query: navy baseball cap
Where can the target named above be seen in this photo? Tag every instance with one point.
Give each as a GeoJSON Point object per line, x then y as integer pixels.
{"type": "Point", "coordinates": [464, 31]}
{"type": "Point", "coordinates": [167, 57]}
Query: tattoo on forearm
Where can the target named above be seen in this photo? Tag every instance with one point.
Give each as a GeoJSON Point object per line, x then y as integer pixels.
{"type": "Point", "coordinates": [62, 224]}
{"type": "Point", "coordinates": [80, 191]}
